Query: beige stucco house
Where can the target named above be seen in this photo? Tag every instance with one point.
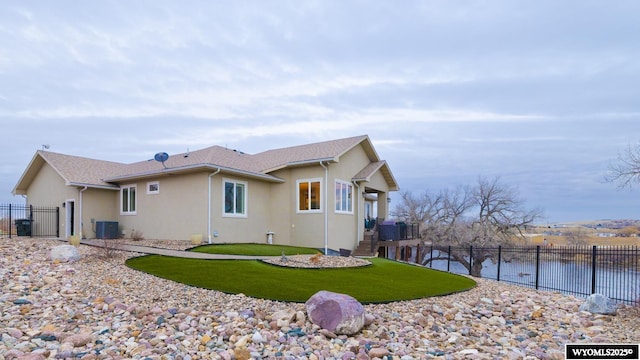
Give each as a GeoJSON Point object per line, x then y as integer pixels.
{"type": "Point", "coordinates": [316, 195]}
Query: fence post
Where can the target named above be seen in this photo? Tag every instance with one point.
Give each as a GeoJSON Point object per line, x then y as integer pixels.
{"type": "Point", "coordinates": [449, 259]}
{"type": "Point", "coordinates": [537, 266]}
{"type": "Point", "coordinates": [471, 259]}
{"type": "Point", "coordinates": [10, 222]}
{"type": "Point", "coordinates": [499, 261]}
{"type": "Point", "coordinates": [431, 257]}
{"type": "Point", "coordinates": [57, 222]}
{"type": "Point", "coordinates": [594, 250]}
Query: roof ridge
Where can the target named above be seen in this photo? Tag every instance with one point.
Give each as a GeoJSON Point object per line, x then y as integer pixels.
{"type": "Point", "coordinates": [44, 153]}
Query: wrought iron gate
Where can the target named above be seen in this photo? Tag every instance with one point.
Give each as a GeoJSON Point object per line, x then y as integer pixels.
{"type": "Point", "coordinates": [33, 221]}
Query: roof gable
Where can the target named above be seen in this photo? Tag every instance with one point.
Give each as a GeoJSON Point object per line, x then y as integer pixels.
{"type": "Point", "coordinates": [74, 170]}
{"type": "Point", "coordinates": [272, 160]}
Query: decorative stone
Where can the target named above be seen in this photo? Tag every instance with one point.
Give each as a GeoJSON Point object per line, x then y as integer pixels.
{"type": "Point", "coordinates": [378, 352]}
{"type": "Point", "coordinates": [64, 253]}
{"type": "Point", "coordinates": [599, 304]}
{"type": "Point", "coordinates": [338, 313]}
{"type": "Point", "coordinates": [78, 339]}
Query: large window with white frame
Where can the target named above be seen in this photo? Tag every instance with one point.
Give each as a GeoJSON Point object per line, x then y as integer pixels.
{"type": "Point", "coordinates": [235, 198]}
{"type": "Point", "coordinates": [128, 200]}
{"type": "Point", "coordinates": [344, 197]}
{"type": "Point", "coordinates": [309, 195]}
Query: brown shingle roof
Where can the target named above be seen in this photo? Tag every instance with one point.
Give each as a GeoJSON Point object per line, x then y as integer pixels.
{"type": "Point", "coordinates": [80, 170]}
{"type": "Point", "coordinates": [98, 173]}
{"type": "Point", "coordinates": [278, 158]}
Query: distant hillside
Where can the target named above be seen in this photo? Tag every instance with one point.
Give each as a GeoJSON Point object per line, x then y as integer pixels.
{"type": "Point", "coordinates": [598, 224]}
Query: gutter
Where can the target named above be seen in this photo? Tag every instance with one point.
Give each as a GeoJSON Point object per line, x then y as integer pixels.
{"type": "Point", "coordinates": [209, 205]}
{"type": "Point", "coordinates": [95, 186]}
{"type": "Point", "coordinates": [326, 209]}
{"type": "Point", "coordinates": [188, 168]}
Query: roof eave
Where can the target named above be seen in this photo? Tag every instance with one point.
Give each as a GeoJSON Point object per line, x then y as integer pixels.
{"type": "Point", "coordinates": [94, 186]}
{"type": "Point", "coordinates": [303, 163]}
{"type": "Point", "coordinates": [386, 173]}
{"type": "Point", "coordinates": [191, 168]}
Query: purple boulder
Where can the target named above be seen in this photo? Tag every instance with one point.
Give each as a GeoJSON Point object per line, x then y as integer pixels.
{"type": "Point", "coordinates": [338, 313]}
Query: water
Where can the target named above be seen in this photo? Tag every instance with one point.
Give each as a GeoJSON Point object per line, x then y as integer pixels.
{"type": "Point", "coordinates": [570, 278]}
{"type": "Point", "coordinates": [568, 271]}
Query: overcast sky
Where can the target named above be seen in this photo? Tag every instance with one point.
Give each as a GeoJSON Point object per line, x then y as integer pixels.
{"type": "Point", "coordinates": [543, 94]}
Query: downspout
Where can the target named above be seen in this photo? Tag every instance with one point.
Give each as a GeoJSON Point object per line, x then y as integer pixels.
{"type": "Point", "coordinates": [326, 209]}
{"type": "Point", "coordinates": [209, 206]}
{"type": "Point", "coordinates": [80, 209]}
{"type": "Point", "coordinates": [358, 223]}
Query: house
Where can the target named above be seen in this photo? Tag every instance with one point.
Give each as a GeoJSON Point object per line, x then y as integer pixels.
{"type": "Point", "coordinates": [315, 195]}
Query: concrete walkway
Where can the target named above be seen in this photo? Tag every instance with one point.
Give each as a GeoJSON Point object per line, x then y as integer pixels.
{"type": "Point", "coordinates": [173, 253]}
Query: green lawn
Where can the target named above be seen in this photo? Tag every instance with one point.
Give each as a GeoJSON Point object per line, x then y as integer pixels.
{"type": "Point", "coordinates": [383, 281]}
{"type": "Point", "coordinates": [254, 249]}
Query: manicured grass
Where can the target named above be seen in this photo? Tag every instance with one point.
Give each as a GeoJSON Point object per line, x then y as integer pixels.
{"type": "Point", "coordinates": [383, 281]}
{"type": "Point", "coordinates": [254, 249]}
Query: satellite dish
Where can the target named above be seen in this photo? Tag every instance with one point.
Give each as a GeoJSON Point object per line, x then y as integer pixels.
{"type": "Point", "coordinates": [161, 157]}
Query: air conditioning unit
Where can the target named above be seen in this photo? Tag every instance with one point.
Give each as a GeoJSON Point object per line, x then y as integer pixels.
{"type": "Point", "coordinates": [106, 229]}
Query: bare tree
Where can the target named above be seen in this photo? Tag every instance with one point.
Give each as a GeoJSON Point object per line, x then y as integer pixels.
{"type": "Point", "coordinates": [626, 170]}
{"type": "Point", "coordinates": [577, 236]}
{"type": "Point", "coordinates": [470, 218]}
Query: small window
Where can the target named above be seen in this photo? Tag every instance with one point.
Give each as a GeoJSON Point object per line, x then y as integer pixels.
{"type": "Point", "coordinates": [235, 198]}
{"type": "Point", "coordinates": [344, 197]}
{"type": "Point", "coordinates": [309, 196]}
{"type": "Point", "coordinates": [128, 200]}
{"type": "Point", "coordinates": [153, 187]}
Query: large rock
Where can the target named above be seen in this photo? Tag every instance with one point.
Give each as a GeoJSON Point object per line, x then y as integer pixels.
{"type": "Point", "coordinates": [338, 313]}
{"type": "Point", "coordinates": [599, 304]}
{"type": "Point", "coordinates": [64, 253]}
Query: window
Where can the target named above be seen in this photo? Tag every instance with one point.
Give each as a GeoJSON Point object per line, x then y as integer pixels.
{"type": "Point", "coordinates": [128, 200]}
{"type": "Point", "coordinates": [153, 187]}
{"type": "Point", "coordinates": [344, 197]}
{"type": "Point", "coordinates": [309, 195]}
{"type": "Point", "coordinates": [235, 198]}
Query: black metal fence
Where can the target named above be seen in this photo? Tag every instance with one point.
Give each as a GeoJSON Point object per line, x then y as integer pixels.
{"type": "Point", "coordinates": [33, 221]}
{"type": "Point", "coordinates": [613, 271]}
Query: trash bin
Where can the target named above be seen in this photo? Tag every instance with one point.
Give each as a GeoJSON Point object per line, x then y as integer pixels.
{"type": "Point", "coordinates": [23, 227]}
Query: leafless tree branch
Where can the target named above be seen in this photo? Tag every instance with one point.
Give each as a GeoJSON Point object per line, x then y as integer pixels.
{"type": "Point", "coordinates": [625, 171]}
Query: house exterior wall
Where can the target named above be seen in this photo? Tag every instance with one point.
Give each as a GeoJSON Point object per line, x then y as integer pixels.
{"type": "Point", "coordinates": [251, 228]}
{"type": "Point", "coordinates": [99, 205]}
{"type": "Point", "coordinates": [180, 209]}
{"type": "Point", "coordinates": [306, 228]}
{"type": "Point", "coordinates": [344, 227]}
{"type": "Point", "coordinates": [48, 188]}
{"type": "Point", "coordinates": [282, 199]}
{"type": "Point", "coordinates": [176, 212]}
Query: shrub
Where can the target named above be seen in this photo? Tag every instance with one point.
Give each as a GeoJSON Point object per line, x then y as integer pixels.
{"type": "Point", "coordinates": [136, 235]}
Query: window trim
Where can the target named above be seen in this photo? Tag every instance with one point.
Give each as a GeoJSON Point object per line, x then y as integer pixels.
{"type": "Point", "coordinates": [245, 198]}
{"type": "Point", "coordinates": [128, 187]}
{"type": "Point", "coordinates": [320, 198]}
{"type": "Point", "coordinates": [153, 192]}
{"type": "Point", "coordinates": [349, 201]}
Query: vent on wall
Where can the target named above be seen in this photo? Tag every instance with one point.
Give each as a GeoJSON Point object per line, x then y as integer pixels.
{"type": "Point", "coordinates": [106, 229]}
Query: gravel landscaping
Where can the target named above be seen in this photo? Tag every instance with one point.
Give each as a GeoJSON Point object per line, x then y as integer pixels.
{"type": "Point", "coordinates": [97, 308]}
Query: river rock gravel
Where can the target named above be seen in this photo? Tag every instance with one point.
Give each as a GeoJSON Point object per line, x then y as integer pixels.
{"type": "Point", "coordinates": [97, 308]}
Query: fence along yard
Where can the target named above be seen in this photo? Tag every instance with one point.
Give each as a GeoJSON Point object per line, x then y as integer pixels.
{"type": "Point", "coordinates": [34, 221]}
{"type": "Point", "coordinates": [613, 271]}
